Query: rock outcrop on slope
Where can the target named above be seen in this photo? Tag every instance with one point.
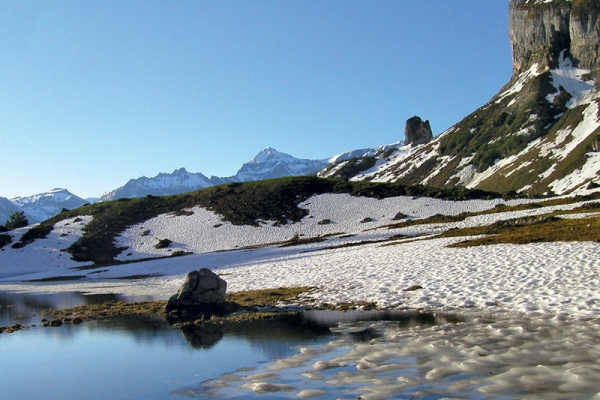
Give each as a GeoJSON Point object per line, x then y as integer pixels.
{"type": "Point", "coordinates": [417, 131]}
{"type": "Point", "coordinates": [539, 134]}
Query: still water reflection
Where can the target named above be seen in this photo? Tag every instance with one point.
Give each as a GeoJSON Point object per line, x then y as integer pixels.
{"type": "Point", "coordinates": [138, 357]}
{"type": "Point", "coordinates": [126, 357]}
{"type": "Point", "coordinates": [319, 354]}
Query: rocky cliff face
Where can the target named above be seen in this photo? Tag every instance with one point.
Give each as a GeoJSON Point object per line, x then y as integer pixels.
{"type": "Point", "coordinates": [540, 30]}
{"type": "Point", "coordinates": [585, 33]}
{"type": "Point", "coordinates": [417, 131]}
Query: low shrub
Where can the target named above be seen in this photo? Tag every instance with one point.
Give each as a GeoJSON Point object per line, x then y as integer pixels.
{"type": "Point", "coordinates": [5, 240]}
{"type": "Point", "coordinates": [163, 243]}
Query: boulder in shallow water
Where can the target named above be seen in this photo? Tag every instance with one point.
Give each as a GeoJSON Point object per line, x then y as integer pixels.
{"type": "Point", "coordinates": [202, 292]}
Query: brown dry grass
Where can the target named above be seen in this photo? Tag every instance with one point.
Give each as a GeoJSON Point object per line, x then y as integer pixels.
{"type": "Point", "coordinates": [265, 297]}
{"type": "Point", "coordinates": [561, 230]}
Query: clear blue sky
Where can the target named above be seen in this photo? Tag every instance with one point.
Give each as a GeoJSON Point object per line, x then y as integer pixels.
{"type": "Point", "coordinates": [94, 93]}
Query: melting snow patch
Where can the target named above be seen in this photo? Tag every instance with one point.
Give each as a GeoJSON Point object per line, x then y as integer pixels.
{"type": "Point", "coordinates": [506, 356]}
{"type": "Point", "coordinates": [44, 254]}
{"type": "Point", "coordinates": [570, 79]}
{"type": "Point", "coordinates": [520, 83]}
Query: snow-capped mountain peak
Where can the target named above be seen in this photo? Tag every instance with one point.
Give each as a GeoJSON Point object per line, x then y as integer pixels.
{"type": "Point", "coordinates": [270, 163]}
{"type": "Point", "coordinates": [179, 181]}
{"type": "Point", "coordinates": [42, 206]}
{"type": "Point", "coordinates": [270, 154]}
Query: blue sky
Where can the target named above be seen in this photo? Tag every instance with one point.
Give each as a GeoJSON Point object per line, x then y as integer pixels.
{"type": "Point", "coordinates": [94, 93]}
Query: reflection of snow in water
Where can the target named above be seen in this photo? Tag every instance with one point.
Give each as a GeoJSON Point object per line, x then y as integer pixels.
{"type": "Point", "coordinates": [546, 356]}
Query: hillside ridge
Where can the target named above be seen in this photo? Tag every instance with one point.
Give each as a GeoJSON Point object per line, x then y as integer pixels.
{"type": "Point", "coordinates": [540, 134]}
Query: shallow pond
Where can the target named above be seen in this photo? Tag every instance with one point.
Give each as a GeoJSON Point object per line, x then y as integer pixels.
{"type": "Point", "coordinates": [320, 355]}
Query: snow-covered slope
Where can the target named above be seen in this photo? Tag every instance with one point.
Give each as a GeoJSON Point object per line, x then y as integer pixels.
{"type": "Point", "coordinates": [370, 152]}
{"type": "Point", "coordinates": [179, 181]}
{"type": "Point", "coordinates": [46, 205]}
{"type": "Point", "coordinates": [350, 264]}
{"type": "Point", "coordinates": [355, 164]}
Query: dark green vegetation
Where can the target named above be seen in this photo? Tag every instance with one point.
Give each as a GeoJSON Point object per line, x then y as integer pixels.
{"type": "Point", "coordinates": [37, 232]}
{"type": "Point", "coordinates": [238, 203]}
{"type": "Point", "coordinates": [493, 134]}
{"type": "Point", "coordinates": [5, 240]}
{"type": "Point", "coordinates": [16, 220]}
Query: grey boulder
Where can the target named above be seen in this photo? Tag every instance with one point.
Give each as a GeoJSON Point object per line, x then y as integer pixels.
{"type": "Point", "coordinates": [203, 291]}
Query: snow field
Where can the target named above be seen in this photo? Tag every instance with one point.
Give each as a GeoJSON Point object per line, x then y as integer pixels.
{"type": "Point", "coordinates": [46, 254]}
{"type": "Point", "coordinates": [197, 232]}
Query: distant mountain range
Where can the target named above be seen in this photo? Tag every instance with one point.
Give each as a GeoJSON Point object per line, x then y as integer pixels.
{"type": "Point", "coordinates": [268, 163]}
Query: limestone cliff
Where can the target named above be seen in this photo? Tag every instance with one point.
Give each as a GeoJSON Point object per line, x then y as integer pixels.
{"type": "Point", "coordinates": [585, 33]}
{"type": "Point", "coordinates": [540, 30]}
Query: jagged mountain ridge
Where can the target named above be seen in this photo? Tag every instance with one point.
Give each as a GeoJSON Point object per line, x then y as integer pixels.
{"type": "Point", "coordinates": [180, 181]}
{"type": "Point", "coordinates": [540, 133]}
{"type": "Point", "coordinates": [267, 164]}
